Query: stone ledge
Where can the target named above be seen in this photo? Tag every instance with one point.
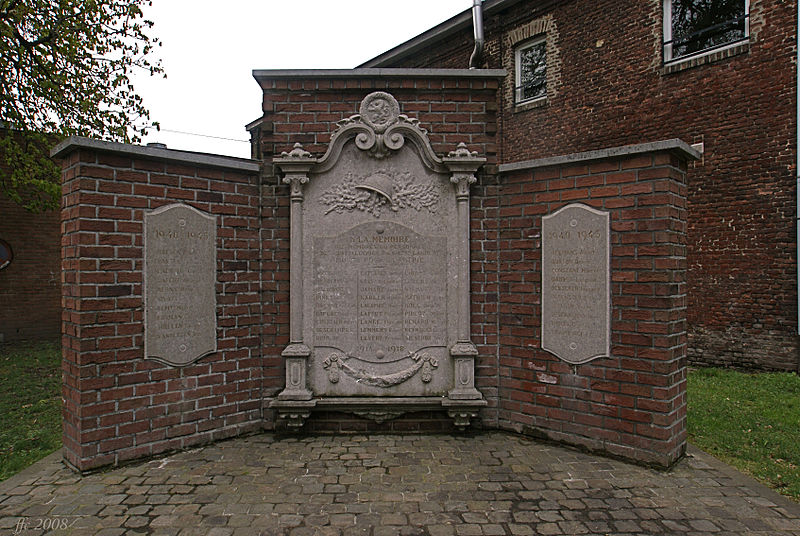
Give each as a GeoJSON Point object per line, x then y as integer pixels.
{"type": "Point", "coordinates": [154, 153]}
{"type": "Point", "coordinates": [704, 58]}
{"type": "Point", "coordinates": [284, 74]}
{"type": "Point", "coordinates": [675, 146]}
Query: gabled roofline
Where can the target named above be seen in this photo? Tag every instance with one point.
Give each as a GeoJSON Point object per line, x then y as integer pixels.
{"type": "Point", "coordinates": [437, 33]}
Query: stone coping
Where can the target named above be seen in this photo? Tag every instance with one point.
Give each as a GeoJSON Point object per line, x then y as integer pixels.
{"type": "Point", "coordinates": [283, 74]}
{"type": "Point", "coordinates": [675, 146]}
{"type": "Point", "coordinates": [155, 153]}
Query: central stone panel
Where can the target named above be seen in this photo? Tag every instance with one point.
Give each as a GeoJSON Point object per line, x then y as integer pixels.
{"type": "Point", "coordinates": [379, 273]}
{"type": "Point", "coordinates": [377, 254]}
{"type": "Point", "coordinates": [380, 311]}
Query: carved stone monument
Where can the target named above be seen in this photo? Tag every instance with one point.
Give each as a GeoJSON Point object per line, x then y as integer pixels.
{"type": "Point", "coordinates": [180, 275]}
{"type": "Point", "coordinates": [576, 311]}
{"type": "Point", "coordinates": [380, 316]}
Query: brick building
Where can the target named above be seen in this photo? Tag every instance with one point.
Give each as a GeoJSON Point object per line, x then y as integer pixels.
{"type": "Point", "coordinates": [585, 75]}
{"type": "Point", "coordinates": [30, 284]}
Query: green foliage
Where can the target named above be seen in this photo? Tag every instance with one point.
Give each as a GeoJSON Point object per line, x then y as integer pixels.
{"type": "Point", "coordinates": [751, 421]}
{"type": "Point", "coordinates": [30, 404]}
{"type": "Point", "coordinates": [65, 69]}
{"type": "Point", "coordinates": [27, 174]}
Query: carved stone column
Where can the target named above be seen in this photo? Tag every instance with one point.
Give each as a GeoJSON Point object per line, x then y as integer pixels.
{"type": "Point", "coordinates": [294, 403]}
{"type": "Point", "coordinates": [464, 400]}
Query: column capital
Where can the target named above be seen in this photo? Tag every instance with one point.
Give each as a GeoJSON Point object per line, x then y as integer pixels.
{"type": "Point", "coordinates": [295, 165]}
{"type": "Point", "coordinates": [463, 164]}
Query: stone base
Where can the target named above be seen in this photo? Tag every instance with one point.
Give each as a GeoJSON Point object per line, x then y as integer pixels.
{"type": "Point", "coordinates": [463, 411]}
{"type": "Point", "coordinates": [294, 412]}
{"type": "Point", "coordinates": [378, 409]}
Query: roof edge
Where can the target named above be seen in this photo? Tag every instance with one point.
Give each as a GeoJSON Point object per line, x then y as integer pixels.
{"type": "Point", "coordinates": [437, 33]}
{"type": "Point", "coordinates": [675, 146]}
{"type": "Point", "coordinates": [74, 143]}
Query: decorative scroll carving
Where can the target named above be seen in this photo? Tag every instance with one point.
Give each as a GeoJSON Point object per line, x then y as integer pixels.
{"type": "Point", "coordinates": [379, 129]}
{"type": "Point", "coordinates": [294, 419]}
{"type": "Point", "coordinates": [336, 363]}
{"type": "Point", "coordinates": [381, 124]}
{"type": "Point", "coordinates": [385, 188]}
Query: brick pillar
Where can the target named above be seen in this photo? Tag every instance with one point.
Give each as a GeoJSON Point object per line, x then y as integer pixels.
{"type": "Point", "coordinates": [118, 405]}
{"type": "Point", "coordinates": [633, 403]}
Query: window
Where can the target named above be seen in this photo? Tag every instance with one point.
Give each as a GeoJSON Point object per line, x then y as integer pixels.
{"type": "Point", "coordinates": [531, 71]}
{"type": "Point", "coordinates": [695, 26]}
{"type": "Point", "coordinates": [6, 255]}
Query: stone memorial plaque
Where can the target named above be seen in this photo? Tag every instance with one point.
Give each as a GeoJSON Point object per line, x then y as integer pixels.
{"type": "Point", "coordinates": [379, 281]}
{"type": "Point", "coordinates": [576, 310]}
{"type": "Point", "coordinates": [380, 291]}
{"type": "Point", "coordinates": [180, 275]}
{"type": "Point", "coordinates": [379, 273]}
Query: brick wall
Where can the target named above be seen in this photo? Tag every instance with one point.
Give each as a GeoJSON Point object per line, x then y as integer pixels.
{"type": "Point", "coordinates": [304, 108]}
{"type": "Point", "coordinates": [117, 405]}
{"type": "Point", "coordinates": [30, 287]}
{"type": "Point", "coordinates": [632, 404]}
{"type": "Point", "coordinates": [607, 87]}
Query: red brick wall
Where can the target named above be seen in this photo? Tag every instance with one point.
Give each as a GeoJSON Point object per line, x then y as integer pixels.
{"type": "Point", "coordinates": [452, 110]}
{"type": "Point", "coordinates": [118, 406]}
{"type": "Point", "coordinates": [30, 287]}
{"type": "Point", "coordinates": [305, 110]}
{"type": "Point", "coordinates": [608, 87]}
{"type": "Point", "coordinates": [632, 404]}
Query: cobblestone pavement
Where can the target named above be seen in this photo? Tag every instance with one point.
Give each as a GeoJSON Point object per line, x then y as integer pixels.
{"type": "Point", "coordinates": [490, 484]}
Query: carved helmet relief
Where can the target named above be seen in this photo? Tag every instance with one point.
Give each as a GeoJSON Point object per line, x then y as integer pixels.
{"type": "Point", "coordinates": [395, 189]}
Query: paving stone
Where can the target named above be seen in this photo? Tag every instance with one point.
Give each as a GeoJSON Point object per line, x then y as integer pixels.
{"type": "Point", "coordinates": [490, 484]}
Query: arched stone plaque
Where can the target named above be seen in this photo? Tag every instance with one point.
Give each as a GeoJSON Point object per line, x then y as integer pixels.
{"type": "Point", "coordinates": [180, 276]}
{"type": "Point", "coordinates": [379, 272]}
{"type": "Point", "coordinates": [576, 312]}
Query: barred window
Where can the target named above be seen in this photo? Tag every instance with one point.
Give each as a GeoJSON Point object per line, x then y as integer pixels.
{"type": "Point", "coordinates": [695, 26]}
{"type": "Point", "coordinates": [531, 71]}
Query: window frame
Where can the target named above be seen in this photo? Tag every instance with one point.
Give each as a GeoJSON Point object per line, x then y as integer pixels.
{"type": "Point", "coordinates": [5, 260]}
{"type": "Point", "coordinates": [540, 40]}
{"type": "Point", "coordinates": [666, 45]}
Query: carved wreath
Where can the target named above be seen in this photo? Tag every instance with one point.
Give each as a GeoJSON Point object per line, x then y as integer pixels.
{"type": "Point", "coordinates": [336, 365]}
{"type": "Point", "coordinates": [383, 188]}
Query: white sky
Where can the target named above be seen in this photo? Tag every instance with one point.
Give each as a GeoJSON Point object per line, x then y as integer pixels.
{"type": "Point", "coordinates": [211, 48]}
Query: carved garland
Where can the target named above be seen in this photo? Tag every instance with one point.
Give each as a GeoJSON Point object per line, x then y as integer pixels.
{"type": "Point", "coordinates": [336, 363]}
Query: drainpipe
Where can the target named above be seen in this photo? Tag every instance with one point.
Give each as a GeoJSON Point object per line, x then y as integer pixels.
{"type": "Point", "coordinates": [477, 53]}
{"type": "Point", "coordinates": [797, 172]}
